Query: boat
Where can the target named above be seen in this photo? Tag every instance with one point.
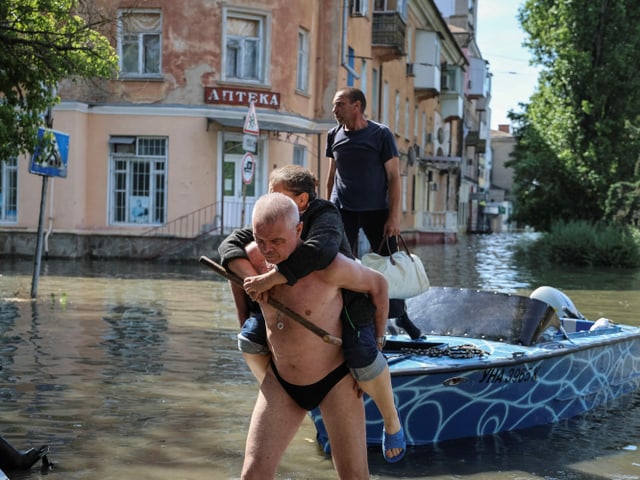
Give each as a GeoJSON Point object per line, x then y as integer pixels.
{"type": "Point", "coordinates": [492, 362]}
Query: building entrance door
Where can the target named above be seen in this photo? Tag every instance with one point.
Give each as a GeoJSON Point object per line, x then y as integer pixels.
{"type": "Point", "coordinates": [239, 197]}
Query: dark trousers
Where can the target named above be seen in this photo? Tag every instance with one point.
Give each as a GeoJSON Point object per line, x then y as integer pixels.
{"type": "Point", "coordinates": [372, 224]}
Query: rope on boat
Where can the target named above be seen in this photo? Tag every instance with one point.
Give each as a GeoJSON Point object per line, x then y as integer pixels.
{"type": "Point", "coordinates": [457, 351]}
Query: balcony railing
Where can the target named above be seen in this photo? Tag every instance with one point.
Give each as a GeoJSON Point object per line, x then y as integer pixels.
{"type": "Point", "coordinates": [389, 31]}
{"type": "Point", "coordinates": [445, 221]}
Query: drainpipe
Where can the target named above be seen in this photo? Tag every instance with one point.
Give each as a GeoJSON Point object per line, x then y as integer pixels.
{"type": "Point", "coordinates": [345, 18]}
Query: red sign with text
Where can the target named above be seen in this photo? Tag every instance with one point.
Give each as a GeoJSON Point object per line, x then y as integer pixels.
{"type": "Point", "coordinates": [241, 96]}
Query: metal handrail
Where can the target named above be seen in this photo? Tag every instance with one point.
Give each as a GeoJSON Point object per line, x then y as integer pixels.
{"type": "Point", "coordinates": [191, 225]}
{"type": "Point", "coordinates": [205, 220]}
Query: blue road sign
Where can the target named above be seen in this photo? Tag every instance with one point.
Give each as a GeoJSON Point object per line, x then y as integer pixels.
{"type": "Point", "coordinates": [51, 155]}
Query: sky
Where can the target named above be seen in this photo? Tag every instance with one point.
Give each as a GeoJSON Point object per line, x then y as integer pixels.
{"type": "Point", "coordinates": [499, 37]}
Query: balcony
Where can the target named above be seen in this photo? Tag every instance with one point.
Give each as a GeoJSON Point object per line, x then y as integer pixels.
{"type": "Point", "coordinates": [452, 106]}
{"type": "Point", "coordinates": [479, 85]}
{"type": "Point", "coordinates": [388, 35]}
{"type": "Point", "coordinates": [427, 80]}
{"type": "Point", "coordinates": [442, 222]}
{"type": "Point", "coordinates": [427, 66]}
{"type": "Point", "coordinates": [451, 96]}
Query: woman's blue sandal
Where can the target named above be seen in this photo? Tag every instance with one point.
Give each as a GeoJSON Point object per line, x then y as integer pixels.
{"type": "Point", "coordinates": [395, 440]}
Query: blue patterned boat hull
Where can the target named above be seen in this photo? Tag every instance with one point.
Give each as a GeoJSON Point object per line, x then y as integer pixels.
{"type": "Point", "coordinates": [508, 387]}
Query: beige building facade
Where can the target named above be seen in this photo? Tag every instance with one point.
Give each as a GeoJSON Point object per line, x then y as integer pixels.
{"type": "Point", "coordinates": [162, 150]}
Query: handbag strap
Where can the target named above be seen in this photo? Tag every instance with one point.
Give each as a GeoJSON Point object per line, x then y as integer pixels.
{"type": "Point", "coordinates": [399, 240]}
{"type": "Point", "coordinates": [404, 245]}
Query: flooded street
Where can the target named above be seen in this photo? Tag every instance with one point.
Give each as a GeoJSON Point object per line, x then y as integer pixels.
{"type": "Point", "coordinates": [131, 371]}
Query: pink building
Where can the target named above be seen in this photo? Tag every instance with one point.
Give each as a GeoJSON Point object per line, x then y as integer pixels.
{"type": "Point", "coordinates": [160, 150]}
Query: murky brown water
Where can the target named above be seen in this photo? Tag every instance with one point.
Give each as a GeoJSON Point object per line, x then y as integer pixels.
{"type": "Point", "coordinates": [130, 371]}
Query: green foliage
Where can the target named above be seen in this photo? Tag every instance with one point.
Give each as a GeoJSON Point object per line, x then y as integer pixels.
{"type": "Point", "coordinates": [41, 43]}
{"type": "Point", "coordinates": [584, 243]}
{"type": "Point", "coordinates": [582, 121]}
{"type": "Point", "coordinates": [623, 204]}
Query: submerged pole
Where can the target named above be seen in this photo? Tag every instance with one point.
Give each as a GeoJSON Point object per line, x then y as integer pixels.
{"type": "Point", "coordinates": [40, 238]}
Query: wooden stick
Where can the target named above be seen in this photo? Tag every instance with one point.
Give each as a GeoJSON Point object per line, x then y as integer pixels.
{"type": "Point", "coordinates": [232, 277]}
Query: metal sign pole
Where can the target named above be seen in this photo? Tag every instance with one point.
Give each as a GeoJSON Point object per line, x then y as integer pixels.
{"type": "Point", "coordinates": [49, 158]}
{"type": "Point", "coordinates": [38, 254]}
{"type": "Point", "coordinates": [244, 200]}
{"type": "Point", "coordinates": [48, 118]}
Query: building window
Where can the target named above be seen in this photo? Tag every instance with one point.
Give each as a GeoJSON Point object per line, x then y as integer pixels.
{"type": "Point", "coordinates": [423, 141]}
{"type": "Point", "coordinates": [379, 5]}
{"type": "Point", "coordinates": [140, 43]}
{"type": "Point", "coordinates": [396, 119]}
{"type": "Point", "coordinates": [375, 89]}
{"type": "Point", "coordinates": [385, 103]}
{"type": "Point", "coordinates": [407, 113]}
{"type": "Point", "coordinates": [359, 8]}
{"type": "Point", "coordinates": [138, 180]}
{"type": "Point", "coordinates": [299, 155]}
{"type": "Point", "coordinates": [351, 60]}
{"type": "Point", "coordinates": [302, 75]}
{"type": "Point", "coordinates": [363, 77]}
{"type": "Point", "coordinates": [9, 190]}
{"type": "Point", "coordinates": [245, 54]}
{"type": "Point", "coordinates": [399, 6]}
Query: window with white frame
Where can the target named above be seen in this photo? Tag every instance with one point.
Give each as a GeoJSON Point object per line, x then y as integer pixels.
{"type": "Point", "coordinates": [407, 113]}
{"type": "Point", "coordinates": [299, 155]}
{"type": "Point", "coordinates": [9, 190]}
{"type": "Point", "coordinates": [140, 43]}
{"type": "Point", "coordinates": [359, 8]}
{"type": "Point", "coordinates": [375, 88]}
{"type": "Point", "coordinates": [351, 61]}
{"type": "Point", "coordinates": [396, 120]}
{"type": "Point", "coordinates": [138, 168]}
{"type": "Point", "coordinates": [302, 74]}
{"type": "Point", "coordinates": [385, 103]}
{"type": "Point", "coordinates": [245, 46]}
{"type": "Point", "coordinates": [399, 6]}
{"type": "Point", "coordinates": [423, 141]}
{"type": "Point", "coordinates": [363, 77]}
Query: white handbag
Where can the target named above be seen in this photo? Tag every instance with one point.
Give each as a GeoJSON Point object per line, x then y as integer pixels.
{"type": "Point", "coordinates": [403, 270]}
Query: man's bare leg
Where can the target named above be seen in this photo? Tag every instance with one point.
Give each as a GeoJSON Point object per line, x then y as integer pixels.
{"type": "Point", "coordinates": [275, 420]}
{"type": "Point", "coordinates": [343, 416]}
{"type": "Point", "coordinates": [380, 391]}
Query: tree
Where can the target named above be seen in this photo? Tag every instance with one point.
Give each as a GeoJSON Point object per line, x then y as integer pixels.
{"type": "Point", "coordinates": [41, 43]}
{"type": "Point", "coordinates": [581, 122]}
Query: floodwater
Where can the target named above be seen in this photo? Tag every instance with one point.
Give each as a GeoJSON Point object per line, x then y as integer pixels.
{"type": "Point", "coordinates": [130, 371]}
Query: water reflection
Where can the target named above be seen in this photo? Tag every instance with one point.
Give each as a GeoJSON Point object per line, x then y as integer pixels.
{"type": "Point", "coordinates": [131, 371]}
{"type": "Point", "coordinates": [136, 339]}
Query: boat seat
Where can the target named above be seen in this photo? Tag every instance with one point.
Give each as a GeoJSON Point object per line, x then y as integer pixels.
{"type": "Point", "coordinates": [572, 325]}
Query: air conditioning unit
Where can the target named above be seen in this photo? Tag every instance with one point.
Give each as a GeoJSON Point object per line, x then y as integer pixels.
{"type": "Point", "coordinates": [410, 72]}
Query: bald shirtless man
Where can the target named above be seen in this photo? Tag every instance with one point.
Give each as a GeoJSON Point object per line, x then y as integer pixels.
{"type": "Point", "coordinates": [306, 372]}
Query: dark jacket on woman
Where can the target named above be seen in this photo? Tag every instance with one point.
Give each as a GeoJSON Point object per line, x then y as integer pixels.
{"type": "Point", "coordinates": [323, 236]}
